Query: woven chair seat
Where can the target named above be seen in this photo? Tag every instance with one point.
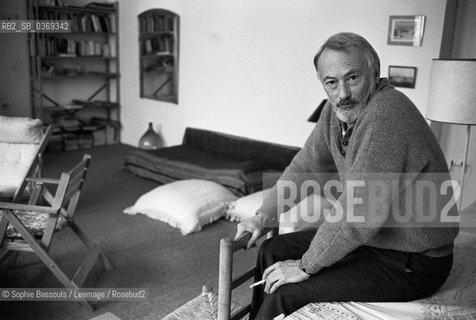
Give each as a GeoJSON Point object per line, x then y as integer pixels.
{"type": "Point", "coordinates": [35, 222]}
{"type": "Point", "coordinates": [203, 307]}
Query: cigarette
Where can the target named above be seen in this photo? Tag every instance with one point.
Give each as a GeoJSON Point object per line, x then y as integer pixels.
{"type": "Point", "coordinates": [258, 283]}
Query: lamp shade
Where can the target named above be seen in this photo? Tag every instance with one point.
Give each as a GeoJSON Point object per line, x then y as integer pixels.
{"type": "Point", "coordinates": [452, 95]}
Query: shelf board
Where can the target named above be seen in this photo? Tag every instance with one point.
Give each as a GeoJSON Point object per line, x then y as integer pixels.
{"type": "Point", "coordinates": [93, 75]}
{"type": "Point", "coordinates": [76, 107]}
{"type": "Point", "coordinates": [77, 57]}
{"type": "Point", "coordinates": [80, 33]}
{"type": "Point", "coordinates": [78, 9]}
{"type": "Point", "coordinates": [158, 55]}
{"type": "Point", "coordinates": [163, 70]}
{"type": "Point", "coordinates": [160, 98]}
{"type": "Point", "coordinates": [146, 35]}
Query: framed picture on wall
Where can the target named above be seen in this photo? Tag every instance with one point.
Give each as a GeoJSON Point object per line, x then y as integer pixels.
{"type": "Point", "coordinates": [401, 76]}
{"type": "Point", "coordinates": [406, 30]}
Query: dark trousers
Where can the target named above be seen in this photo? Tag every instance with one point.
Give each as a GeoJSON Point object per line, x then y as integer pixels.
{"type": "Point", "coordinates": [367, 274]}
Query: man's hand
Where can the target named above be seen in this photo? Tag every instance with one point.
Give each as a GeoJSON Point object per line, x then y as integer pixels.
{"type": "Point", "coordinates": [283, 272]}
{"type": "Point", "coordinates": [253, 225]}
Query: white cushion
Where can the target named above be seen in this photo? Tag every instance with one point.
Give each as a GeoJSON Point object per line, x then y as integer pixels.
{"type": "Point", "coordinates": [185, 204]}
{"type": "Point", "coordinates": [245, 207]}
{"type": "Point", "coordinates": [20, 130]}
{"type": "Point", "coordinates": [309, 213]}
{"type": "Point", "coordinates": [19, 143]}
{"type": "Point", "coordinates": [15, 160]}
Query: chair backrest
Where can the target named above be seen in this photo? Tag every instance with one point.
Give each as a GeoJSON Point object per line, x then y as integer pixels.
{"type": "Point", "coordinates": [69, 188]}
{"type": "Point", "coordinates": [227, 282]}
{"type": "Point", "coordinates": [22, 141]}
{"type": "Point", "coordinates": [66, 196]}
{"type": "Point", "coordinates": [77, 176]}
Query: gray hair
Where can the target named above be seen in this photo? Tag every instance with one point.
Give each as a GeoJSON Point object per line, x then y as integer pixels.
{"type": "Point", "coordinates": [347, 41]}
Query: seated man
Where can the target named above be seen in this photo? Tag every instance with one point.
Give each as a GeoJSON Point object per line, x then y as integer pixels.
{"type": "Point", "coordinates": [386, 238]}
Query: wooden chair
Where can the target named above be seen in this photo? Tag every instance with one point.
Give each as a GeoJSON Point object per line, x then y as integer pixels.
{"type": "Point", "coordinates": [30, 227]}
{"type": "Point", "coordinates": [227, 283]}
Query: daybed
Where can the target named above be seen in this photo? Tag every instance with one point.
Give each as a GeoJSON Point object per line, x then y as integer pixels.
{"type": "Point", "coordinates": [237, 163]}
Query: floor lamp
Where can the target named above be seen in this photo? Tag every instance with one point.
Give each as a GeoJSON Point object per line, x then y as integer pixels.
{"type": "Point", "coordinates": [452, 99]}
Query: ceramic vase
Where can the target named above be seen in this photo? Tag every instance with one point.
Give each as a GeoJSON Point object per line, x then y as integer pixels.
{"type": "Point", "coordinates": [150, 140]}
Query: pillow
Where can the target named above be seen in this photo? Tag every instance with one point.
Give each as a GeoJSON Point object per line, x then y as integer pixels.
{"type": "Point", "coordinates": [245, 207]}
{"type": "Point", "coordinates": [20, 130]}
{"type": "Point", "coordinates": [185, 204]}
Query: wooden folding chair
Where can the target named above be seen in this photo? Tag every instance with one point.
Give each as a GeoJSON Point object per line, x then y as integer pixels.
{"type": "Point", "coordinates": [31, 226]}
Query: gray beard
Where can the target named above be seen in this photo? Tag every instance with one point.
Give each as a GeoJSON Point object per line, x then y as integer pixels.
{"type": "Point", "coordinates": [349, 115]}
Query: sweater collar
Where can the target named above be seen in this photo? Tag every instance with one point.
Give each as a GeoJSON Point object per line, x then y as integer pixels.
{"type": "Point", "coordinates": [383, 84]}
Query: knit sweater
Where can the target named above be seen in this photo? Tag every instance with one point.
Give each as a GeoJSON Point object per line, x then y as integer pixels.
{"type": "Point", "coordinates": [391, 141]}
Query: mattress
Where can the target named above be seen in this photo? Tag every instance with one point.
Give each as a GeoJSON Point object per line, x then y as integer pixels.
{"type": "Point", "coordinates": [174, 163]}
{"type": "Point", "coordinates": [456, 300]}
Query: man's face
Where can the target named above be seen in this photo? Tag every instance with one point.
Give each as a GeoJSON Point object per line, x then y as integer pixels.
{"type": "Point", "coordinates": [348, 82]}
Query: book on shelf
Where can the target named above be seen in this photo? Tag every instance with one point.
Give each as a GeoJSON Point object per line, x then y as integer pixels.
{"type": "Point", "coordinates": [64, 47]}
{"type": "Point", "coordinates": [51, 3]}
{"type": "Point", "coordinates": [158, 46]}
{"type": "Point", "coordinates": [157, 23]}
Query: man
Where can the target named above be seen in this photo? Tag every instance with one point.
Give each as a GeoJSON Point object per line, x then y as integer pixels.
{"type": "Point", "coordinates": [383, 248]}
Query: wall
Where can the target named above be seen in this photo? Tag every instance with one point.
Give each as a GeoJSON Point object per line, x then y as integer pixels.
{"type": "Point", "coordinates": [14, 65]}
{"type": "Point", "coordinates": [246, 66]}
{"type": "Point", "coordinates": [453, 136]}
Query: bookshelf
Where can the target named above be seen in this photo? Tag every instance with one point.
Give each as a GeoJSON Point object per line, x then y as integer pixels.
{"type": "Point", "coordinates": [75, 75]}
{"type": "Point", "coordinates": [158, 51]}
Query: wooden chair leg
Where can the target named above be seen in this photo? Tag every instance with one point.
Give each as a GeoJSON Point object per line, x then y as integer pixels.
{"type": "Point", "coordinates": [91, 246]}
{"type": "Point", "coordinates": [44, 257]}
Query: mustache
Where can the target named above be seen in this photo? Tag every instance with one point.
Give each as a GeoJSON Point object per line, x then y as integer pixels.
{"type": "Point", "coordinates": [347, 102]}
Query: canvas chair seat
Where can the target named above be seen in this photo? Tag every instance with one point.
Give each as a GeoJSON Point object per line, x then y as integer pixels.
{"type": "Point", "coordinates": [35, 223]}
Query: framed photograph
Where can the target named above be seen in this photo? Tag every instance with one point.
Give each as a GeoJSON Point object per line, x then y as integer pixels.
{"type": "Point", "coordinates": [406, 30]}
{"type": "Point", "coordinates": [400, 76]}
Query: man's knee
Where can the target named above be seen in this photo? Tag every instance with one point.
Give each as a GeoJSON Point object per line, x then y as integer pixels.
{"type": "Point", "coordinates": [287, 246]}
{"type": "Point", "coordinates": [268, 249]}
